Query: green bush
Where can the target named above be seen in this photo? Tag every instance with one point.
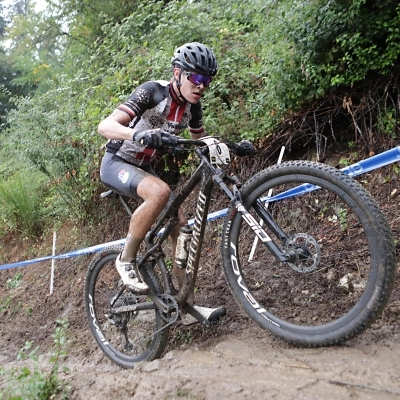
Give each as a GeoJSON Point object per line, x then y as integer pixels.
{"type": "Point", "coordinates": [273, 57]}
{"type": "Point", "coordinates": [33, 383]}
{"type": "Point", "coordinates": [55, 135]}
{"type": "Point", "coordinates": [21, 202]}
{"type": "Point", "coordinates": [340, 43]}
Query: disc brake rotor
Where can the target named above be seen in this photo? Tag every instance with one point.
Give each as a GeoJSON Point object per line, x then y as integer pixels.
{"type": "Point", "coordinates": [308, 252]}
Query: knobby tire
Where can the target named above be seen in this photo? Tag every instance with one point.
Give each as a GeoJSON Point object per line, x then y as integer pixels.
{"type": "Point", "coordinates": [342, 286]}
{"type": "Point", "coordinates": [129, 337]}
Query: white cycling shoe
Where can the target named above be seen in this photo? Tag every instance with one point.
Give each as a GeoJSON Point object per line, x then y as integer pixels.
{"type": "Point", "coordinates": [128, 275]}
{"type": "Point", "coordinates": [209, 314]}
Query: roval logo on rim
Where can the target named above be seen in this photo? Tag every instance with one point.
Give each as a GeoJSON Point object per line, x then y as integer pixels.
{"type": "Point", "coordinates": [242, 285]}
{"type": "Point", "coordinates": [95, 323]}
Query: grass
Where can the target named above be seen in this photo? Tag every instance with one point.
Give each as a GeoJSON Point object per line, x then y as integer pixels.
{"type": "Point", "coordinates": [32, 382]}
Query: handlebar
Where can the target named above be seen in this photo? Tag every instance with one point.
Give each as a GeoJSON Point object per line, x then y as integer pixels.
{"type": "Point", "coordinates": [167, 141]}
{"type": "Point", "coordinates": [243, 148]}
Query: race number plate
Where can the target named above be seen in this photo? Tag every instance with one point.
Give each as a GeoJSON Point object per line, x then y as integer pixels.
{"type": "Point", "coordinates": [219, 152]}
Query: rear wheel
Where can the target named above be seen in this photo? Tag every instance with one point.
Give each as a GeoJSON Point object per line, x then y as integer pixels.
{"type": "Point", "coordinates": [126, 337]}
{"type": "Point", "coordinates": [342, 270]}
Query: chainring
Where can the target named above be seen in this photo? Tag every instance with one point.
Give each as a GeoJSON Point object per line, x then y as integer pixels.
{"type": "Point", "coordinates": [173, 314]}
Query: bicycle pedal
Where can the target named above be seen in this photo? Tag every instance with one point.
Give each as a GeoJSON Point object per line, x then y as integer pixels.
{"type": "Point", "coordinates": [211, 314]}
{"type": "Point", "coordinates": [203, 315]}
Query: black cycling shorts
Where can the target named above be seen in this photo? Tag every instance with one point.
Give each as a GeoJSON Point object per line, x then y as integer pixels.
{"type": "Point", "coordinates": [122, 177]}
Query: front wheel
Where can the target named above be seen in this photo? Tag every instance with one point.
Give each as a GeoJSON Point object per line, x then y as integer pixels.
{"type": "Point", "coordinates": [125, 337]}
{"type": "Point", "coordinates": [341, 276]}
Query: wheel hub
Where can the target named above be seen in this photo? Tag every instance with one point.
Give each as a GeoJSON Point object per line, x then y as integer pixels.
{"type": "Point", "coordinates": [304, 252]}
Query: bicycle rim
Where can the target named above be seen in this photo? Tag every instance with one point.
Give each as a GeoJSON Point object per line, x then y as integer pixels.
{"type": "Point", "coordinates": [344, 273]}
{"type": "Point", "coordinates": [129, 337]}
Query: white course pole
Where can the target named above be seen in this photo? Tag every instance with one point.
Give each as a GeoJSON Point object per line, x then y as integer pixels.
{"type": "Point", "coordinates": [253, 249]}
{"type": "Point", "coordinates": [52, 262]}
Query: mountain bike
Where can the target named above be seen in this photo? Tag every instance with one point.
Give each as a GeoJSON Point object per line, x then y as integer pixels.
{"type": "Point", "coordinates": [306, 252]}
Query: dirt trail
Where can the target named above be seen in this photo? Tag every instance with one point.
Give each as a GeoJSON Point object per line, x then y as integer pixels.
{"type": "Point", "coordinates": [242, 363]}
{"type": "Point", "coordinates": [251, 366]}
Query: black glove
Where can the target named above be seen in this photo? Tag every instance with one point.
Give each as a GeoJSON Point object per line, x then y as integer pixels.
{"type": "Point", "coordinates": [150, 138]}
{"type": "Point", "coordinates": [169, 138]}
{"type": "Point", "coordinates": [244, 148]}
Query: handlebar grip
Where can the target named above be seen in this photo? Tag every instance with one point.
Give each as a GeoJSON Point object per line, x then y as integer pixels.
{"type": "Point", "coordinates": [169, 140]}
{"type": "Point", "coordinates": [166, 140]}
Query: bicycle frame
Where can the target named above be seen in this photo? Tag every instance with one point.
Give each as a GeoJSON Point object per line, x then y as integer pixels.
{"type": "Point", "coordinates": [207, 175]}
{"type": "Point", "coordinates": [204, 176]}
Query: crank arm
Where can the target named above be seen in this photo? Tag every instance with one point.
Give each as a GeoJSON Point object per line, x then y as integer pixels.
{"type": "Point", "coordinates": [159, 303]}
{"type": "Point", "coordinates": [133, 307]}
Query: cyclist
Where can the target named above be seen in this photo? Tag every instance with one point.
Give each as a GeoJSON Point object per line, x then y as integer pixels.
{"type": "Point", "coordinates": [155, 109]}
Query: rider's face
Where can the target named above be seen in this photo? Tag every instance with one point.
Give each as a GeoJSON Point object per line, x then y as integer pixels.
{"type": "Point", "coordinates": [190, 91]}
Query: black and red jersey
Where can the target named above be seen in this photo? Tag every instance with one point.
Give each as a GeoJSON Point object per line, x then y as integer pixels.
{"type": "Point", "coordinates": [154, 105]}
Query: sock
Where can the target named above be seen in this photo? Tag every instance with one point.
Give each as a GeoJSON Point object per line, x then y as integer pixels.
{"type": "Point", "coordinates": [131, 248]}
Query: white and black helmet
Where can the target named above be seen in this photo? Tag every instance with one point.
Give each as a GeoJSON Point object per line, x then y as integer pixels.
{"type": "Point", "coordinates": [196, 57]}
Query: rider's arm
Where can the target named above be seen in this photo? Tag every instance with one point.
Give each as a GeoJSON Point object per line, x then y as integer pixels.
{"type": "Point", "coordinates": [114, 127]}
{"type": "Point", "coordinates": [146, 96]}
{"type": "Point", "coordinates": [197, 135]}
{"type": "Point", "coordinates": [196, 128]}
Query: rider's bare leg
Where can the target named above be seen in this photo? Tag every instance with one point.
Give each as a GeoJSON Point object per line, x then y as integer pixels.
{"type": "Point", "coordinates": [155, 194]}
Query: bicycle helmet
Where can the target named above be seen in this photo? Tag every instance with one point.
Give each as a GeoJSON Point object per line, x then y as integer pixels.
{"type": "Point", "coordinates": [196, 57]}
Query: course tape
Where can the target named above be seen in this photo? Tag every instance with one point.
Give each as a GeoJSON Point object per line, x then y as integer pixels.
{"type": "Point", "coordinates": [367, 165]}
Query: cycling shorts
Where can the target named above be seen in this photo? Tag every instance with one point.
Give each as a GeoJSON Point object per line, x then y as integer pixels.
{"type": "Point", "coordinates": [123, 177]}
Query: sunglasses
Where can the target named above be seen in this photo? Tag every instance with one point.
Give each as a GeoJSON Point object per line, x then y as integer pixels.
{"type": "Point", "coordinates": [198, 79]}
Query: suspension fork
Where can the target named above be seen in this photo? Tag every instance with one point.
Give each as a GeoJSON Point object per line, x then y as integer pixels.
{"type": "Point", "coordinates": [268, 219]}
{"type": "Point", "coordinates": [236, 200]}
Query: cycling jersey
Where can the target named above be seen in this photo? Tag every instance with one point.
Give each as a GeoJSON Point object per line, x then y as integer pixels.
{"type": "Point", "coordinates": [153, 105]}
